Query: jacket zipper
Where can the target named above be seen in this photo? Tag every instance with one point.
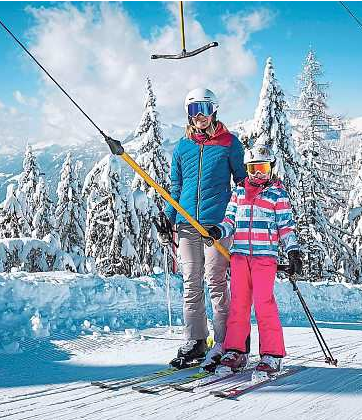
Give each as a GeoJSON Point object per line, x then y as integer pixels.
{"type": "Point", "coordinates": [199, 182]}
{"type": "Point", "coordinates": [251, 225]}
{"type": "Point", "coordinates": [270, 237]}
{"type": "Point", "coordinates": [251, 222]}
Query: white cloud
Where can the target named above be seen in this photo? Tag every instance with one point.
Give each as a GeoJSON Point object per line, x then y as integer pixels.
{"type": "Point", "coordinates": [19, 97]}
{"type": "Point", "coordinates": [98, 55]}
{"type": "Point", "coordinates": [17, 128]}
{"type": "Point", "coordinates": [23, 100]}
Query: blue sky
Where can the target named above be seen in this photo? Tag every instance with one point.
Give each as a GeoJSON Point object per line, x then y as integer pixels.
{"type": "Point", "coordinates": [287, 33]}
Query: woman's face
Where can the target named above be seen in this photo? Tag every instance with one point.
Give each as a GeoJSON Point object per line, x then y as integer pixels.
{"type": "Point", "coordinates": [201, 122]}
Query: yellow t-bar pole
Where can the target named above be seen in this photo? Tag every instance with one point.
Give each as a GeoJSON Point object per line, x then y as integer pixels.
{"type": "Point", "coordinates": [127, 158]}
{"type": "Point", "coordinates": [183, 43]}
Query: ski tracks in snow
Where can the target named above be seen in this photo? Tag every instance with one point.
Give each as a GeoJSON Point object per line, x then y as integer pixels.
{"type": "Point", "coordinates": [319, 392]}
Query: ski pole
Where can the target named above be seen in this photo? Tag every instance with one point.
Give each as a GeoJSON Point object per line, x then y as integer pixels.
{"type": "Point", "coordinates": [117, 149]}
{"type": "Point", "coordinates": [322, 343]}
{"type": "Point", "coordinates": [167, 277]}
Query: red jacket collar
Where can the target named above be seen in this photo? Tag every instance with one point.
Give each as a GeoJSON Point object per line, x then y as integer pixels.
{"type": "Point", "coordinates": [221, 137]}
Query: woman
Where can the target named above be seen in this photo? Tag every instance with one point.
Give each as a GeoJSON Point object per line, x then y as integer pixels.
{"type": "Point", "coordinates": [202, 165]}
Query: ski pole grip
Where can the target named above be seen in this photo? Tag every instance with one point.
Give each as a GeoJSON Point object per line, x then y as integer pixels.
{"type": "Point", "coordinates": [115, 145]}
{"type": "Point", "coordinates": [209, 241]}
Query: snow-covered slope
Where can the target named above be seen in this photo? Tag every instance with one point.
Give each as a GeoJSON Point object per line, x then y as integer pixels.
{"type": "Point", "coordinates": [51, 381]}
{"type": "Point", "coordinates": [60, 331]}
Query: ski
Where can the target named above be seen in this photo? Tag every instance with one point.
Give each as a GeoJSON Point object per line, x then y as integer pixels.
{"type": "Point", "coordinates": [251, 385]}
{"type": "Point", "coordinates": [115, 385]}
{"type": "Point", "coordinates": [159, 387]}
{"type": "Point", "coordinates": [208, 380]}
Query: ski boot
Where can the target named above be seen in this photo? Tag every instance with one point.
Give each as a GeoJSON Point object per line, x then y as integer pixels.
{"type": "Point", "coordinates": [191, 353]}
{"type": "Point", "coordinates": [212, 359]}
{"type": "Point", "coordinates": [233, 360]}
{"type": "Point", "coordinates": [267, 367]}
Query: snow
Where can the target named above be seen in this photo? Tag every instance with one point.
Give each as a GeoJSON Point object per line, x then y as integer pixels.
{"type": "Point", "coordinates": [65, 301]}
{"type": "Point", "coordinates": [76, 328]}
{"type": "Point", "coordinates": [60, 387]}
{"type": "Point", "coordinates": [356, 124]}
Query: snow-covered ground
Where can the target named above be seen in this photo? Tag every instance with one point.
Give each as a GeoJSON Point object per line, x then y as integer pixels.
{"type": "Point", "coordinates": [59, 331]}
{"type": "Point", "coordinates": [34, 305]}
{"type": "Point", "coordinates": [51, 380]}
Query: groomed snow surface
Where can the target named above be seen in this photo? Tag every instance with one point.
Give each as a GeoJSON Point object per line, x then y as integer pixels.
{"type": "Point", "coordinates": [59, 331]}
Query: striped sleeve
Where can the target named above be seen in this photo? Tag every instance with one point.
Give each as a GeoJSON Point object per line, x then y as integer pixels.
{"type": "Point", "coordinates": [285, 222]}
{"type": "Point", "coordinates": [227, 226]}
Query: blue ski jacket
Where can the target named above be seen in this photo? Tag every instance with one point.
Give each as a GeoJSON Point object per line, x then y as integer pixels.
{"type": "Point", "coordinates": [201, 170]}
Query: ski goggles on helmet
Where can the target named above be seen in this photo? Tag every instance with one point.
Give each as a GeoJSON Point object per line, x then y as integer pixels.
{"type": "Point", "coordinates": [262, 167]}
{"type": "Point", "coordinates": [204, 108]}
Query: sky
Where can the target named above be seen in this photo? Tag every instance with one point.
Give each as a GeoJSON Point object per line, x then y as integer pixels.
{"type": "Point", "coordinates": [100, 52]}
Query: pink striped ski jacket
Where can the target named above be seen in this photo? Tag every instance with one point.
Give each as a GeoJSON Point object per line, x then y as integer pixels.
{"type": "Point", "coordinates": [261, 221]}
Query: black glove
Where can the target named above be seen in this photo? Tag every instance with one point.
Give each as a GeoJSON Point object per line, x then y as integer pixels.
{"type": "Point", "coordinates": [214, 232]}
{"type": "Point", "coordinates": [164, 229]}
{"type": "Point", "coordinates": [295, 262]}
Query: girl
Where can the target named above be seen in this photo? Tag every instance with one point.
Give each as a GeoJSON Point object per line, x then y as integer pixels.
{"type": "Point", "coordinates": [203, 162]}
{"type": "Point", "coordinates": [258, 215]}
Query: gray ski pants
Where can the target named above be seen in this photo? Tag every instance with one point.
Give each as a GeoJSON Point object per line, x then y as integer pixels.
{"type": "Point", "coordinates": [199, 262]}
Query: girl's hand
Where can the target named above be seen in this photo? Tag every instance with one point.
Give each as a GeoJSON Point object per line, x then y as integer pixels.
{"type": "Point", "coordinates": [295, 262]}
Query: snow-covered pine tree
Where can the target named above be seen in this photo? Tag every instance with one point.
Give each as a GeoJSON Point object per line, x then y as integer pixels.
{"type": "Point", "coordinates": [28, 181]}
{"type": "Point", "coordinates": [13, 223]}
{"type": "Point", "coordinates": [43, 221]}
{"type": "Point", "coordinates": [112, 224]}
{"type": "Point", "coordinates": [151, 159]}
{"type": "Point", "coordinates": [352, 224]}
{"type": "Point", "coordinates": [241, 133]}
{"type": "Point", "coordinates": [271, 127]}
{"type": "Point", "coordinates": [321, 182]}
{"type": "Point", "coordinates": [70, 209]}
{"type": "Point", "coordinates": [150, 156]}
{"type": "Point", "coordinates": [315, 128]}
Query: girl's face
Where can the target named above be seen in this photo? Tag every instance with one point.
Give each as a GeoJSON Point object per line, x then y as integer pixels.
{"type": "Point", "coordinates": [259, 179]}
{"type": "Point", "coordinates": [201, 122]}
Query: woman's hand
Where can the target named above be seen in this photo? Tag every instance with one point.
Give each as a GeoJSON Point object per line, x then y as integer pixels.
{"type": "Point", "coordinates": [214, 232]}
{"type": "Point", "coordinates": [164, 229]}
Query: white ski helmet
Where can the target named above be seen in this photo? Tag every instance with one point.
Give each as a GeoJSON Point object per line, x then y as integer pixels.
{"type": "Point", "coordinates": [201, 95]}
{"type": "Point", "coordinates": [259, 153]}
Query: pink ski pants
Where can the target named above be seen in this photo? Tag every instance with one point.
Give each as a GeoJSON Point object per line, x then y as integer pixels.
{"type": "Point", "coordinates": [252, 281]}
